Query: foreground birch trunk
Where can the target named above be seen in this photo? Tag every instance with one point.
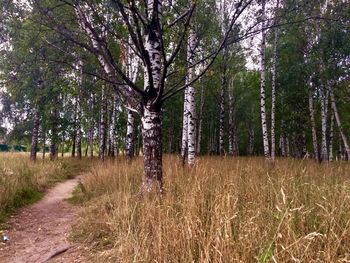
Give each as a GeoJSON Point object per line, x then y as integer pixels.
{"type": "Point", "coordinates": [263, 85]}
{"type": "Point", "coordinates": [35, 133]}
{"type": "Point", "coordinates": [184, 141]}
{"type": "Point", "coordinates": [191, 106]}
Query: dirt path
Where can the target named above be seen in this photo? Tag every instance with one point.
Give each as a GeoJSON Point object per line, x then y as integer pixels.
{"type": "Point", "coordinates": [40, 231]}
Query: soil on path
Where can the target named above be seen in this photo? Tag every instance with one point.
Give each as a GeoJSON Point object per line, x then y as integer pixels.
{"type": "Point", "coordinates": [38, 233]}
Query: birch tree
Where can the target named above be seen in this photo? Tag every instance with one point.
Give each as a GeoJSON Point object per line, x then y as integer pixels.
{"type": "Point", "coordinates": [263, 82]}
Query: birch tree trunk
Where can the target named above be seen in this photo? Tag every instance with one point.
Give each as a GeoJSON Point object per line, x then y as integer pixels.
{"type": "Point", "coordinates": [273, 93]}
{"type": "Point", "coordinates": [340, 128]}
{"type": "Point", "coordinates": [151, 117]}
{"type": "Point", "coordinates": [54, 136]}
{"type": "Point", "coordinates": [222, 112]}
{"type": "Point", "coordinates": [74, 136]}
{"type": "Point", "coordinates": [78, 129]}
{"type": "Point", "coordinates": [91, 127]}
{"type": "Point", "coordinates": [313, 123]}
{"type": "Point", "coordinates": [232, 139]}
{"type": "Point", "coordinates": [324, 149]}
{"type": "Point", "coordinates": [331, 138]}
{"type": "Point", "coordinates": [263, 84]}
{"type": "Point", "coordinates": [184, 141]}
{"type": "Point", "coordinates": [200, 120]}
{"type": "Point", "coordinates": [114, 126]}
{"type": "Point", "coordinates": [251, 138]}
{"type": "Point", "coordinates": [44, 145]}
{"type": "Point", "coordinates": [130, 141]}
{"type": "Point", "coordinates": [102, 147]}
{"type": "Point", "coordinates": [191, 107]}
{"type": "Point", "coordinates": [35, 133]}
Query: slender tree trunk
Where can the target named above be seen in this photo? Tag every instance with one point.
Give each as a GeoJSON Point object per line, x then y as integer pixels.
{"type": "Point", "coordinates": [331, 138]}
{"type": "Point", "coordinates": [91, 128]}
{"type": "Point", "coordinates": [35, 133]}
{"type": "Point", "coordinates": [313, 124]}
{"type": "Point", "coordinates": [200, 120]}
{"type": "Point", "coordinates": [232, 139]}
{"type": "Point", "coordinates": [191, 109]}
{"type": "Point", "coordinates": [273, 94]}
{"type": "Point", "coordinates": [184, 141]}
{"type": "Point", "coordinates": [251, 138]}
{"type": "Point", "coordinates": [263, 85]}
{"type": "Point", "coordinates": [324, 149]}
{"type": "Point", "coordinates": [44, 146]}
{"type": "Point", "coordinates": [340, 128]}
{"type": "Point", "coordinates": [222, 112]}
{"type": "Point", "coordinates": [74, 139]}
{"type": "Point", "coordinates": [114, 127]}
{"type": "Point", "coordinates": [130, 136]}
{"type": "Point", "coordinates": [102, 147]}
{"type": "Point", "coordinates": [54, 136]}
{"type": "Point", "coordinates": [78, 129]}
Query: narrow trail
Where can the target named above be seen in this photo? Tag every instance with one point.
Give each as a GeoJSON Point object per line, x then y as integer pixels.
{"type": "Point", "coordinates": [38, 233]}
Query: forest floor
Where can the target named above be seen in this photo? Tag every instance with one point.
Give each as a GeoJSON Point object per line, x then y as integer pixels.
{"type": "Point", "coordinates": [39, 232]}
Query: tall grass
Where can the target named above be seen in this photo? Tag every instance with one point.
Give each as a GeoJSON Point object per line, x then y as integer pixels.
{"type": "Point", "coordinates": [223, 210]}
{"type": "Point", "coordinates": [23, 182]}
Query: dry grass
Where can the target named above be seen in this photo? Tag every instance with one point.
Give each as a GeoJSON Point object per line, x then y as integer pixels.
{"type": "Point", "coordinates": [223, 210]}
{"type": "Point", "coordinates": [23, 182]}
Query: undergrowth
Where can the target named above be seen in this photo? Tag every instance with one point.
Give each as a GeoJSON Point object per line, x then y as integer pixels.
{"type": "Point", "coordinates": [222, 210]}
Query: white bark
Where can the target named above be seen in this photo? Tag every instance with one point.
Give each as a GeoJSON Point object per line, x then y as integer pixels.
{"type": "Point", "coordinates": [200, 120]}
{"type": "Point", "coordinates": [263, 85]}
{"type": "Point", "coordinates": [184, 141]}
{"type": "Point", "coordinates": [102, 142]}
{"type": "Point", "coordinates": [273, 93]}
{"type": "Point", "coordinates": [331, 138]}
{"type": "Point", "coordinates": [191, 107]}
{"type": "Point", "coordinates": [130, 145]}
{"type": "Point", "coordinates": [222, 113]}
{"type": "Point", "coordinates": [324, 154]}
{"type": "Point", "coordinates": [340, 128]}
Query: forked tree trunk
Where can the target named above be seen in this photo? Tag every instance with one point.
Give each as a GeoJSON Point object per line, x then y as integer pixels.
{"type": "Point", "coordinates": [263, 84]}
{"type": "Point", "coordinates": [340, 128]}
{"type": "Point", "coordinates": [35, 133]}
{"type": "Point", "coordinates": [313, 123]}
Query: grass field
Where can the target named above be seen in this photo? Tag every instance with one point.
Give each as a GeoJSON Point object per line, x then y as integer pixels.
{"type": "Point", "coordinates": [23, 182]}
{"type": "Point", "coordinates": [222, 210]}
